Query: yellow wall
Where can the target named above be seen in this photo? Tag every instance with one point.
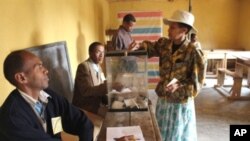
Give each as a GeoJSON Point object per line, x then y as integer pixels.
{"type": "Point", "coordinates": [215, 19]}
{"type": "Point", "coordinates": [26, 23]}
{"type": "Point", "coordinates": [244, 25]}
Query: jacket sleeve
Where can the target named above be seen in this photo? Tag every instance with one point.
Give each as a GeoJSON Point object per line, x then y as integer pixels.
{"type": "Point", "coordinates": [84, 85]}
{"type": "Point", "coordinates": [74, 121]}
{"type": "Point", "coordinates": [154, 48]}
{"type": "Point", "coordinates": [194, 82]}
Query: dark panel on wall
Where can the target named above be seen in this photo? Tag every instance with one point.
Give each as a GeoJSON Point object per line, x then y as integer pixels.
{"type": "Point", "coordinates": [55, 58]}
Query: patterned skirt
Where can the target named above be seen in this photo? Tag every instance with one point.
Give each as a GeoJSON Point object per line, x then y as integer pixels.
{"type": "Point", "coordinates": [177, 121]}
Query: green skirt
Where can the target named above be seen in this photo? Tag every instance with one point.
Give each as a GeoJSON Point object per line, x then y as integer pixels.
{"type": "Point", "coordinates": [177, 121]}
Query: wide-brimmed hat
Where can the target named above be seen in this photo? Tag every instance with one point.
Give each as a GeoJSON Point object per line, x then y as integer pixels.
{"type": "Point", "coordinates": [181, 16]}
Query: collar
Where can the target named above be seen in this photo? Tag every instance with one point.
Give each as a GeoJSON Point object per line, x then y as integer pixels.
{"type": "Point", "coordinates": [95, 66]}
{"type": "Point", "coordinates": [43, 97]}
{"type": "Point", "coordinates": [182, 47]}
{"type": "Point", "coordinates": [123, 29]}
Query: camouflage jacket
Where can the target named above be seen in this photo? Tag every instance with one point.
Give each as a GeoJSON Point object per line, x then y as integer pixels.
{"type": "Point", "coordinates": [186, 64]}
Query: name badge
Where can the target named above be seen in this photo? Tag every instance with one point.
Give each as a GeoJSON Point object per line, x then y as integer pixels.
{"type": "Point", "coordinates": [56, 124]}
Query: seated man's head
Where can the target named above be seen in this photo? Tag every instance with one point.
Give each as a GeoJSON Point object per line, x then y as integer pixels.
{"type": "Point", "coordinates": [96, 52]}
{"type": "Point", "coordinates": [25, 71]}
{"type": "Point", "coordinates": [128, 22]}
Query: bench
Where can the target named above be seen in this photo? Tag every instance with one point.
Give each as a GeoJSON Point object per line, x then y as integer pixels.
{"type": "Point", "coordinates": [235, 91]}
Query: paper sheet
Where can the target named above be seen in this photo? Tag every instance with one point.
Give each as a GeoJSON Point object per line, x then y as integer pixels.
{"type": "Point", "coordinates": [117, 132]}
{"type": "Point", "coordinates": [174, 80]}
{"type": "Point", "coordinates": [56, 124]}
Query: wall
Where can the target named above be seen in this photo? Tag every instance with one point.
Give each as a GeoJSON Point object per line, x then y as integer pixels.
{"type": "Point", "coordinates": [215, 19]}
{"type": "Point", "coordinates": [26, 23]}
{"type": "Point", "coordinates": [244, 25]}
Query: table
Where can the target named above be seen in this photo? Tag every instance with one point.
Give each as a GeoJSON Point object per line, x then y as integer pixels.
{"type": "Point", "coordinates": [222, 56]}
{"type": "Point", "coordinates": [145, 119]}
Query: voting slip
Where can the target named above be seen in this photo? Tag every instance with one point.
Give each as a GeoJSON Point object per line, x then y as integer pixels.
{"type": "Point", "coordinates": [173, 81]}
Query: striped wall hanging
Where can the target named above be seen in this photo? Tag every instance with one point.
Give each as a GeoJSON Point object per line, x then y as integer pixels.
{"type": "Point", "coordinates": [148, 27]}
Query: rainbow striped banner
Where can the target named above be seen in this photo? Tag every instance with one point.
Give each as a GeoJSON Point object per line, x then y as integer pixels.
{"type": "Point", "coordinates": [153, 72]}
{"type": "Point", "coordinates": [148, 27]}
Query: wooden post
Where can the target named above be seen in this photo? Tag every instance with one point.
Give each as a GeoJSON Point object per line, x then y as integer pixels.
{"type": "Point", "coordinates": [190, 6]}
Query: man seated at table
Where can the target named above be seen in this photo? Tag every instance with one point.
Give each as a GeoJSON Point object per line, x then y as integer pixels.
{"type": "Point", "coordinates": [91, 87]}
{"type": "Point", "coordinates": [90, 83]}
{"type": "Point", "coordinates": [33, 113]}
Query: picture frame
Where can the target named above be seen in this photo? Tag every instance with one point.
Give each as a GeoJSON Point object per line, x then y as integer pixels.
{"type": "Point", "coordinates": [55, 58]}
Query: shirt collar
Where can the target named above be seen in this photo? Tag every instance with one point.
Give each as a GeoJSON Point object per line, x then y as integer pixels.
{"type": "Point", "coordinates": [123, 29]}
{"type": "Point", "coordinates": [43, 97]}
{"type": "Point", "coordinates": [95, 66]}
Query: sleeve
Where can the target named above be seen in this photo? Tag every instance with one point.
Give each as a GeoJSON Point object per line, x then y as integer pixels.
{"type": "Point", "coordinates": [84, 85]}
{"type": "Point", "coordinates": [154, 48]}
{"type": "Point", "coordinates": [74, 121]}
{"type": "Point", "coordinates": [199, 70]}
{"type": "Point", "coordinates": [194, 82]}
{"type": "Point", "coordinates": [117, 42]}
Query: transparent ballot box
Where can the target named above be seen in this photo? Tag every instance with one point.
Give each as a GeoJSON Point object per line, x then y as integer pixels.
{"type": "Point", "coordinates": [127, 80]}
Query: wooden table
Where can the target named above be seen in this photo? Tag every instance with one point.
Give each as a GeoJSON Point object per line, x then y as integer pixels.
{"type": "Point", "coordinates": [145, 119]}
{"type": "Point", "coordinates": [222, 56]}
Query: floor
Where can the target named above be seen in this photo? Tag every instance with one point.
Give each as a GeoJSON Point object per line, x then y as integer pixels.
{"type": "Point", "coordinates": [214, 112]}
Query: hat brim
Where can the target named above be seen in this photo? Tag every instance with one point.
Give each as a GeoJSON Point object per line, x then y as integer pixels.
{"type": "Point", "coordinates": [168, 21]}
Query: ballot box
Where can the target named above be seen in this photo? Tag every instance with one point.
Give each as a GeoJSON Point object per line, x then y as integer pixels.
{"type": "Point", "coordinates": [127, 81]}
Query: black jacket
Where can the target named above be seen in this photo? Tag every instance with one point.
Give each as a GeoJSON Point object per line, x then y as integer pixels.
{"type": "Point", "coordinates": [18, 121]}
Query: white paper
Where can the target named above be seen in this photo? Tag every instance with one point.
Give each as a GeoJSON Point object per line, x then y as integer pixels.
{"type": "Point", "coordinates": [173, 81]}
{"type": "Point", "coordinates": [56, 124]}
{"type": "Point", "coordinates": [117, 105]}
{"type": "Point", "coordinates": [131, 102]}
{"type": "Point", "coordinates": [117, 132]}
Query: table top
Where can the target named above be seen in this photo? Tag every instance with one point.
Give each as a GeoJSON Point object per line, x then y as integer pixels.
{"type": "Point", "coordinates": [224, 54]}
{"type": "Point", "coordinates": [243, 60]}
{"type": "Point", "coordinates": [145, 119]}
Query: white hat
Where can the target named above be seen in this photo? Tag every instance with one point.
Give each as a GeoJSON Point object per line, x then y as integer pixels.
{"type": "Point", "coordinates": [181, 17]}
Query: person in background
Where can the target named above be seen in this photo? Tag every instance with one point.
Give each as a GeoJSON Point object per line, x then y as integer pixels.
{"type": "Point", "coordinates": [32, 112]}
{"type": "Point", "coordinates": [197, 44]}
{"type": "Point", "coordinates": [90, 83]}
{"type": "Point", "coordinates": [90, 86]}
{"type": "Point", "coordinates": [181, 78]}
{"type": "Point", "coordinates": [194, 40]}
{"type": "Point", "coordinates": [122, 40]}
